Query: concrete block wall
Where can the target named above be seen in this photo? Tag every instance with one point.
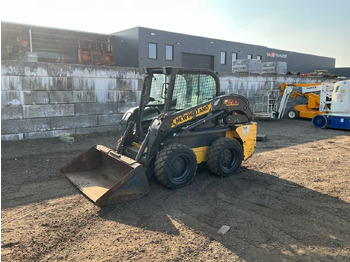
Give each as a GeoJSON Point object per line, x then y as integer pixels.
{"type": "Point", "coordinates": [41, 100]}
{"type": "Point", "coordinates": [254, 86]}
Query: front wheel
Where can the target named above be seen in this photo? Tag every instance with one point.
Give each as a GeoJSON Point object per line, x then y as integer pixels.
{"type": "Point", "coordinates": [175, 165]}
{"type": "Point", "coordinates": [293, 114]}
{"type": "Point", "coordinates": [224, 157]}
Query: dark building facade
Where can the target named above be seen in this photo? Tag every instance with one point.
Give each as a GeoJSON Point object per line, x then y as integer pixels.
{"type": "Point", "coordinates": [140, 47]}
{"type": "Point", "coordinates": [47, 44]}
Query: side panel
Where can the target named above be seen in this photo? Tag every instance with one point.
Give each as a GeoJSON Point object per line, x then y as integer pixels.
{"type": "Point", "coordinates": [247, 133]}
{"type": "Point", "coordinates": [309, 114]}
{"type": "Point", "coordinates": [341, 122]}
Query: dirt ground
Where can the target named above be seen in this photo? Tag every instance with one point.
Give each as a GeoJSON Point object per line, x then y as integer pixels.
{"type": "Point", "coordinates": [289, 202]}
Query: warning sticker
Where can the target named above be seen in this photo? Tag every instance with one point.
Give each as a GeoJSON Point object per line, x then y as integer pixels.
{"type": "Point", "coordinates": [245, 129]}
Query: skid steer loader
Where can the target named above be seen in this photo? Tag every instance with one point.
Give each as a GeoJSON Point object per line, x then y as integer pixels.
{"type": "Point", "coordinates": [181, 121]}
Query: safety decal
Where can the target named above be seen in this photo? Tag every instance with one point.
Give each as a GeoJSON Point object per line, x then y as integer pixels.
{"type": "Point", "coordinates": [245, 129]}
{"type": "Point", "coordinates": [231, 102]}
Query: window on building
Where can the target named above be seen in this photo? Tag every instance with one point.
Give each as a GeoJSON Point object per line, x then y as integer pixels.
{"type": "Point", "coordinates": [152, 51]}
{"type": "Point", "coordinates": [223, 58]}
{"type": "Point", "coordinates": [250, 56]}
{"type": "Point", "coordinates": [234, 56]}
{"type": "Point", "coordinates": [169, 52]}
{"type": "Point", "coordinates": [259, 57]}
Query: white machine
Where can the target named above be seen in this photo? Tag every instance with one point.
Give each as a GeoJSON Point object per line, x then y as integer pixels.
{"type": "Point", "coordinates": [338, 116]}
{"type": "Point", "coordinates": [271, 105]}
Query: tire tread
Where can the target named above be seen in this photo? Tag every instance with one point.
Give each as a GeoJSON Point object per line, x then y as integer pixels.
{"type": "Point", "coordinates": [160, 163]}
{"type": "Point", "coordinates": [213, 152]}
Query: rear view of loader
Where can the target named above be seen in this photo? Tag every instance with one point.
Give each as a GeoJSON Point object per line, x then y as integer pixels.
{"type": "Point", "coordinates": [181, 122]}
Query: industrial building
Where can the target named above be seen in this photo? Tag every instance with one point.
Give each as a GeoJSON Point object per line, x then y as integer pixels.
{"type": "Point", "coordinates": [142, 47]}
{"type": "Point", "coordinates": [44, 44]}
{"type": "Point", "coordinates": [139, 47]}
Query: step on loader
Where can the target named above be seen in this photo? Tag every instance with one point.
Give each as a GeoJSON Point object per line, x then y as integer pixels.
{"type": "Point", "coordinates": [182, 121]}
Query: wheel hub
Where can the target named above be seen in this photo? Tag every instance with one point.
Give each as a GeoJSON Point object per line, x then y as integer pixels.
{"type": "Point", "coordinates": [227, 158]}
{"type": "Point", "coordinates": [179, 167]}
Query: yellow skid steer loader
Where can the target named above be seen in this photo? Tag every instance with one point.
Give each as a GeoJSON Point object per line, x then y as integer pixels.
{"type": "Point", "coordinates": [181, 121]}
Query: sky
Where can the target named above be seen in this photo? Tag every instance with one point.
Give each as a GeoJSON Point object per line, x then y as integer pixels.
{"type": "Point", "coordinates": [319, 27]}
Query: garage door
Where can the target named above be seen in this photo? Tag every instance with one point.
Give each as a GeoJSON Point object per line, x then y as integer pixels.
{"type": "Point", "coordinates": [197, 61]}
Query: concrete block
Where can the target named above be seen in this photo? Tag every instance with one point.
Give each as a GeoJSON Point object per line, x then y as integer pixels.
{"type": "Point", "coordinates": [57, 70]}
{"type": "Point", "coordinates": [12, 137]}
{"type": "Point", "coordinates": [35, 83]}
{"type": "Point", "coordinates": [129, 96]}
{"type": "Point", "coordinates": [24, 125]}
{"type": "Point", "coordinates": [99, 129]}
{"type": "Point", "coordinates": [72, 96]}
{"type": "Point", "coordinates": [262, 92]}
{"type": "Point", "coordinates": [270, 85]}
{"type": "Point", "coordinates": [105, 120]}
{"type": "Point", "coordinates": [35, 97]}
{"type": "Point", "coordinates": [73, 122]}
{"type": "Point", "coordinates": [128, 84]}
{"type": "Point", "coordinates": [48, 134]}
{"type": "Point", "coordinates": [129, 73]}
{"type": "Point", "coordinates": [125, 106]}
{"type": "Point", "coordinates": [35, 69]}
{"type": "Point", "coordinates": [11, 82]}
{"type": "Point", "coordinates": [87, 71]}
{"type": "Point", "coordinates": [223, 230]}
{"type": "Point", "coordinates": [105, 84]}
{"type": "Point", "coordinates": [225, 85]}
{"type": "Point", "coordinates": [246, 66]}
{"type": "Point", "coordinates": [12, 68]}
{"type": "Point", "coordinates": [32, 111]}
{"type": "Point", "coordinates": [106, 72]}
{"type": "Point", "coordinates": [11, 98]}
{"type": "Point", "coordinates": [11, 112]}
{"type": "Point", "coordinates": [58, 83]}
{"type": "Point", "coordinates": [31, 57]}
{"type": "Point", "coordinates": [96, 109]}
{"type": "Point", "coordinates": [275, 68]}
{"type": "Point", "coordinates": [261, 137]}
{"type": "Point", "coordinates": [74, 83]}
{"type": "Point", "coordinates": [84, 96]}
{"type": "Point", "coordinates": [106, 96]}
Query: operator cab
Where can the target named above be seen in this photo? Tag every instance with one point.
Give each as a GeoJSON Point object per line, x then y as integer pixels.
{"type": "Point", "coordinates": [172, 90]}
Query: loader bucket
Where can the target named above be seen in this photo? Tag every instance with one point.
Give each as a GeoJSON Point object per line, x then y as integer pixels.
{"type": "Point", "coordinates": [107, 177]}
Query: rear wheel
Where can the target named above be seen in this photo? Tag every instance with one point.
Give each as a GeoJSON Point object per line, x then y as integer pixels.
{"type": "Point", "coordinates": [224, 157]}
{"type": "Point", "coordinates": [175, 165]}
{"type": "Point", "coordinates": [293, 114]}
{"type": "Point", "coordinates": [320, 121]}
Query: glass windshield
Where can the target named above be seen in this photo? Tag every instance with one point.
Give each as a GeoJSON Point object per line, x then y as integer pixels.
{"type": "Point", "coordinates": [156, 102]}
{"type": "Point", "coordinates": [158, 88]}
{"type": "Point", "coordinates": [191, 90]}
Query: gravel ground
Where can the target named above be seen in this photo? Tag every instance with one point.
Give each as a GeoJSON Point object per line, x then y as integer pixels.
{"type": "Point", "coordinates": [289, 202]}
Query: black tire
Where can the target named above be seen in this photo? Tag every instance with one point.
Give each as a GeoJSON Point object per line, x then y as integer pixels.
{"type": "Point", "coordinates": [224, 157]}
{"type": "Point", "coordinates": [293, 114]}
{"type": "Point", "coordinates": [175, 166]}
